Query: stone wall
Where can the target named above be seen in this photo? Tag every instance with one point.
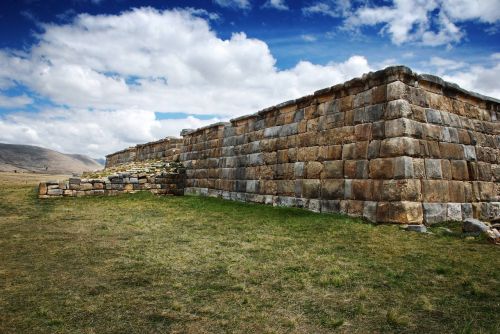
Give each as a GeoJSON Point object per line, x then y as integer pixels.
{"type": "Point", "coordinates": [392, 146]}
{"type": "Point", "coordinates": [162, 184]}
{"type": "Point", "coordinates": [166, 149]}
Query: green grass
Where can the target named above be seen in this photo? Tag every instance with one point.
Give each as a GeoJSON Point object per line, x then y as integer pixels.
{"type": "Point", "coordinates": [146, 264]}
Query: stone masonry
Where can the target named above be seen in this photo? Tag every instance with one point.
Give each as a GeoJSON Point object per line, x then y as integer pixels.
{"type": "Point", "coordinates": [167, 149]}
{"type": "Point", "coordinates": [392, 146]}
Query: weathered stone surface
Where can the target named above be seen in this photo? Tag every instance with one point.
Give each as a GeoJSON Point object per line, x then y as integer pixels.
{"type": "Point", "coordinates": [42, 188]}
{"type": "Point", "coordinates": [400, 212]}
{"type": "Point", "coordinates": [332, 189]}
{"type": "Point", "coordinates": [333, 169]}
{"type": "Point", "coordinates": [55, 192]}
{"type": "Point", "coordinates": [435, 213]}
{"type": "Point", "coordinates": [472, 225]}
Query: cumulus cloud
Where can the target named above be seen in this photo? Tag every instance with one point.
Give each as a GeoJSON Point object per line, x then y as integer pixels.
{"type": "Point", "coordinates": [276, 4]}
{"type": "Point", "coordinates": [111, 73]}
{"type": "Point", "coordinates": [432, 22]}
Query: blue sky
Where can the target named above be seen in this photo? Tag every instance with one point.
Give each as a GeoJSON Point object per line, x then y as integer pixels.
{"type": "Point", "coordinates": [94, 76]}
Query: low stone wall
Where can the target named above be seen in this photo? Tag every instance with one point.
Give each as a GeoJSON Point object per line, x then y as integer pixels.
{"type": "Point", "coordinates": [167, 149]}
{"type": "Point", "coordinates": [392, 146]}
{"type": "Point", "coordinates": [161, 184]}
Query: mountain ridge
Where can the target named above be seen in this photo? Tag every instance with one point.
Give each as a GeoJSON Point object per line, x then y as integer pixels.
{"type": "Point", "coordinates": [29, 158]}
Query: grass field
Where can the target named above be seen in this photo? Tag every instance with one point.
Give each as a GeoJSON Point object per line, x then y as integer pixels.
{"type": "Point", "coordinates": [145, 264]}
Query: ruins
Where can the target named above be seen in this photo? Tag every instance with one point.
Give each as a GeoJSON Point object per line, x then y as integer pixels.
{"type": "Point", "coordinates": [392, 146]}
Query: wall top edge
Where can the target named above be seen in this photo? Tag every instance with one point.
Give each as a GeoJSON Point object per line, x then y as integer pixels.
{"type": "Point", "coordinates": [130, 148]}
{"type": "Point", "coordinates": [404, 74]}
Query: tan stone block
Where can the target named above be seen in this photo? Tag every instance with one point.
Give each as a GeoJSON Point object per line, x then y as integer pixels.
{"type": "Point", "coordinates": [269, 187]}
{"type": "Point", "coordinates": [463, 137]}
{"type": "Point", "coordinates": [419, 168]}
{"type": "Point", "coordinates": [363, 132]}
{"type": "Point", "coordinates": [98, 186]}
{"type": "Point", "coordinates": [308, 139]}
{"type": "Point", "coordinates": [379, 94]}
{"type": "Point", "coordinates": [484, 191]}
{"type": "Point", "coordinates": [484, 170]}
{"type": "Point", "coordinates": [307, 153]}
{"type": "Point", "coordinates": [311, 188]}
{"type": "Point", "coordinates": [457, 191]}
{"type": "Point", "coordinates": [333, 169]}
{"type": "Point", "coordinates": [446, 169]}
{"type": "Point", "coordinates": [451, 151]}
{"type": "Point", "coordinates": [434, 150]}
{"type": "Point", "coordinates": [313, 169]}
{"type": "Point", "coordinates": [436, 191]}
{"type": "Point", "coordinates": [128, 187]}
{"type": "Point", "coordinates": [350, 169]}
{"type": "Point", "coordinates": [42, 188]}
{"type": "Point", "coordinates": [382, 168]}
{"type": "Point", "coordinates": [269, 158]}
{"type": "Point", "coordinates": [393, 147]}
{"type": "Point", "coordinates": [400, 212]}
{"type": "Point", "coordinates": [361, 150]}
{"type": "Point", "coordinates": [292, 154]}
{"type": "Point", "coordinates": [362, 189]}
{"type": "Point", "coordinates": [397, 90]}
{"type": "Point", "coordinates": [397, 190]}
{"type": "Point", "coordinates": [286, 187]}
{"type": "Point", "coordinates": [332, 189]}
{"type": "Point", "coordinates": [355, 208]}
{"type": "Point", "coordinates": [459, 170]}
{"type": "Point", "coordinates": [265, 172]}
{"type": "Point", "coordinates": [346, 103]}
{"type": "Point", "coordinates": [330, 152]}
{"type": "Point", "coordinates": [348, 117]}
{"type": "Point", "coordinates": [281, 156]}
{"type": "Point", "coordinates": [348, 151]}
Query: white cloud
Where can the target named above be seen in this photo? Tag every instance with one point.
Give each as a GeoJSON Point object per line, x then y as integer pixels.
{"type": "Point", "coordinates": [479, 79]}
{"type": "Point", "coordinates": [237, 4]}
{"type": "Point", "coordinates": [14, 101]}
{"type": "Point", "coordinates": [443, 65]}
{"type": "Point", "coordinates": [430, 22]}
{"type": "Point", "coordinates": [330, 8]}
{"type": "Point", "coordinates": [308, 37]}
{"type": "Point", "coordinates": [276, 4]}
{"type": "Point", "coordinates": [95, 133]}
{"type": "Point", "coordinates": [116, 71]}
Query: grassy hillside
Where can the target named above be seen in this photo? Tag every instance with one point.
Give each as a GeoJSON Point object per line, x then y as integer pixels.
{"type": "Point", "coordinates": [145, 264]}
{"type": "Point", "coordinates": [27, 158]}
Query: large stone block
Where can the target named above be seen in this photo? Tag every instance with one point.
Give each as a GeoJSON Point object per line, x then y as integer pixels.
{"type": "Point", "coordinates": [403, 168]}
{"type": "Point", "coordinates": [399, 212]}
{"type": "Point", "coordinates": [433, 169]}
{"type": "Point", "coordinates": [397, 190]}
{"type": "Point", "coordinates": [333, 169]}
{"type": "Point", "coordinates": [394, 147]}
{"type": "Point", "coordinates": [382, 168]}
{"type": "Point", "coordinates": [332, 189]}
{"type": "Point", "coordinates": [397, 109]}
{"type": "Point", "coordinates": [435, 213]}
{"type": "Point", "coordinates": [314, 169]}
{"type": "Point", "coordinates": [435, 191]}
{"type": "Point", "coordinates": [459, 170]}
{"type": "Point", "coordinates": [311, 188]}
{"type": "Point", "coordinates": [362, 189]}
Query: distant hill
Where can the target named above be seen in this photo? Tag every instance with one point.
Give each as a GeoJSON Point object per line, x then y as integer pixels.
{"type": "Point", "coordinates": [27, 158]}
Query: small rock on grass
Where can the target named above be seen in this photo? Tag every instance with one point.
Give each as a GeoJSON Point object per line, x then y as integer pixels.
{"type": "Point", "coordinates": [472, 225]}
{"type": "Point", "coordinates": [417, 228]}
